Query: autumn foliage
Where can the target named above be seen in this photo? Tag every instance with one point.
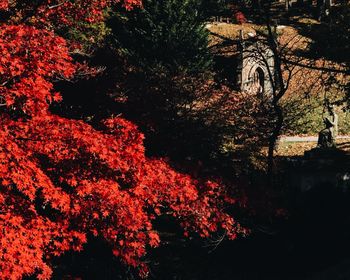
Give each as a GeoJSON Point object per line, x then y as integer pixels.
{"type": "Point", "coordinates": [62, 179]}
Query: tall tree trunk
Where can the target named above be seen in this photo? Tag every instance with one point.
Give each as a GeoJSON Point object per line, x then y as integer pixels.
{"type": "Point", "coordinates": [286, 5]}
{"type": "Point", "coordinates": [274, 138]}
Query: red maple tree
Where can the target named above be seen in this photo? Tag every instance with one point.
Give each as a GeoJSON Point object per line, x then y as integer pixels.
{"type": "Point", "coordinates": [62, 179]}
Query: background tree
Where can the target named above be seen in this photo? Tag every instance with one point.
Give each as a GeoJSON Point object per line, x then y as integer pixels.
{"type": "Point", "coordinates": [164, 50]}
{"type": "Point", "coordinates": [164, 36]}
{"type": "Point", "coordinates": [216, 8]}
{"type": "Point", "coordinates": [298, 69]}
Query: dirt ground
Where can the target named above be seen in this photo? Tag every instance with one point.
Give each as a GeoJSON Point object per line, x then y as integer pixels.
{"type": "Point", "coordinates": [298, 148]}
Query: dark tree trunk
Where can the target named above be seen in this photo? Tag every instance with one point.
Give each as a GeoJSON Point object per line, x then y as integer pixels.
{"type": "Point", "coordinates": [274, 137]}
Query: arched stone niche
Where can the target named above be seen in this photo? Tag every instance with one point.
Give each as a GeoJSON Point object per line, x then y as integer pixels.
{"type": "Point", "coordinates": [256, 80]}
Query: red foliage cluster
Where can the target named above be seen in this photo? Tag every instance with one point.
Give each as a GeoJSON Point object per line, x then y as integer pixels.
{"type": "Point", "coordinates": [239, 17]}
{"type": "Point", "coordinates": [67, 12]}
{"type": "Point", "coordinates": [4, 4]}
{"type": "Point", "coordinates": [62, 179]}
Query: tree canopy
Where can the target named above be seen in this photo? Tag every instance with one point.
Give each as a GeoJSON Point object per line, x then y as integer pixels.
{"type": "Point", "coordinates": [167, 36]}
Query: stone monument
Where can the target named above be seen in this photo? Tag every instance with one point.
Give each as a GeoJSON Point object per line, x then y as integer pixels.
{"type": "Point", "coordinates": [325, 164]}
{"type": "Point", "coordinates": [327, 136]}
{"type": "Point", "coordinates": [256, 66]}
{"type": "Point", "coordinates": [326, 146]}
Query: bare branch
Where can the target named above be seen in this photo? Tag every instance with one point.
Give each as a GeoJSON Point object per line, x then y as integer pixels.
{"type": "Point", "coordinates": [313, 67]}
{"type": "Point", "coordinates": [57, 5]}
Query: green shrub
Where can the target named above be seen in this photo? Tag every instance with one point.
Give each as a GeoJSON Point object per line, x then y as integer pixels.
{"type": "Point", "coordinates": [303, 116]}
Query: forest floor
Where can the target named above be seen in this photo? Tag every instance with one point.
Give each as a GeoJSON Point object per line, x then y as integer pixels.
{"type": "Point", "coordinates": [297, 145]}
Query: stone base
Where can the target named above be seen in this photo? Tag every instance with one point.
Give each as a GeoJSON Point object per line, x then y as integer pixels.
{"type": "Point", "coordinates": [318, 168]}
{"type": "Point", "coordinates": [324, 153]}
